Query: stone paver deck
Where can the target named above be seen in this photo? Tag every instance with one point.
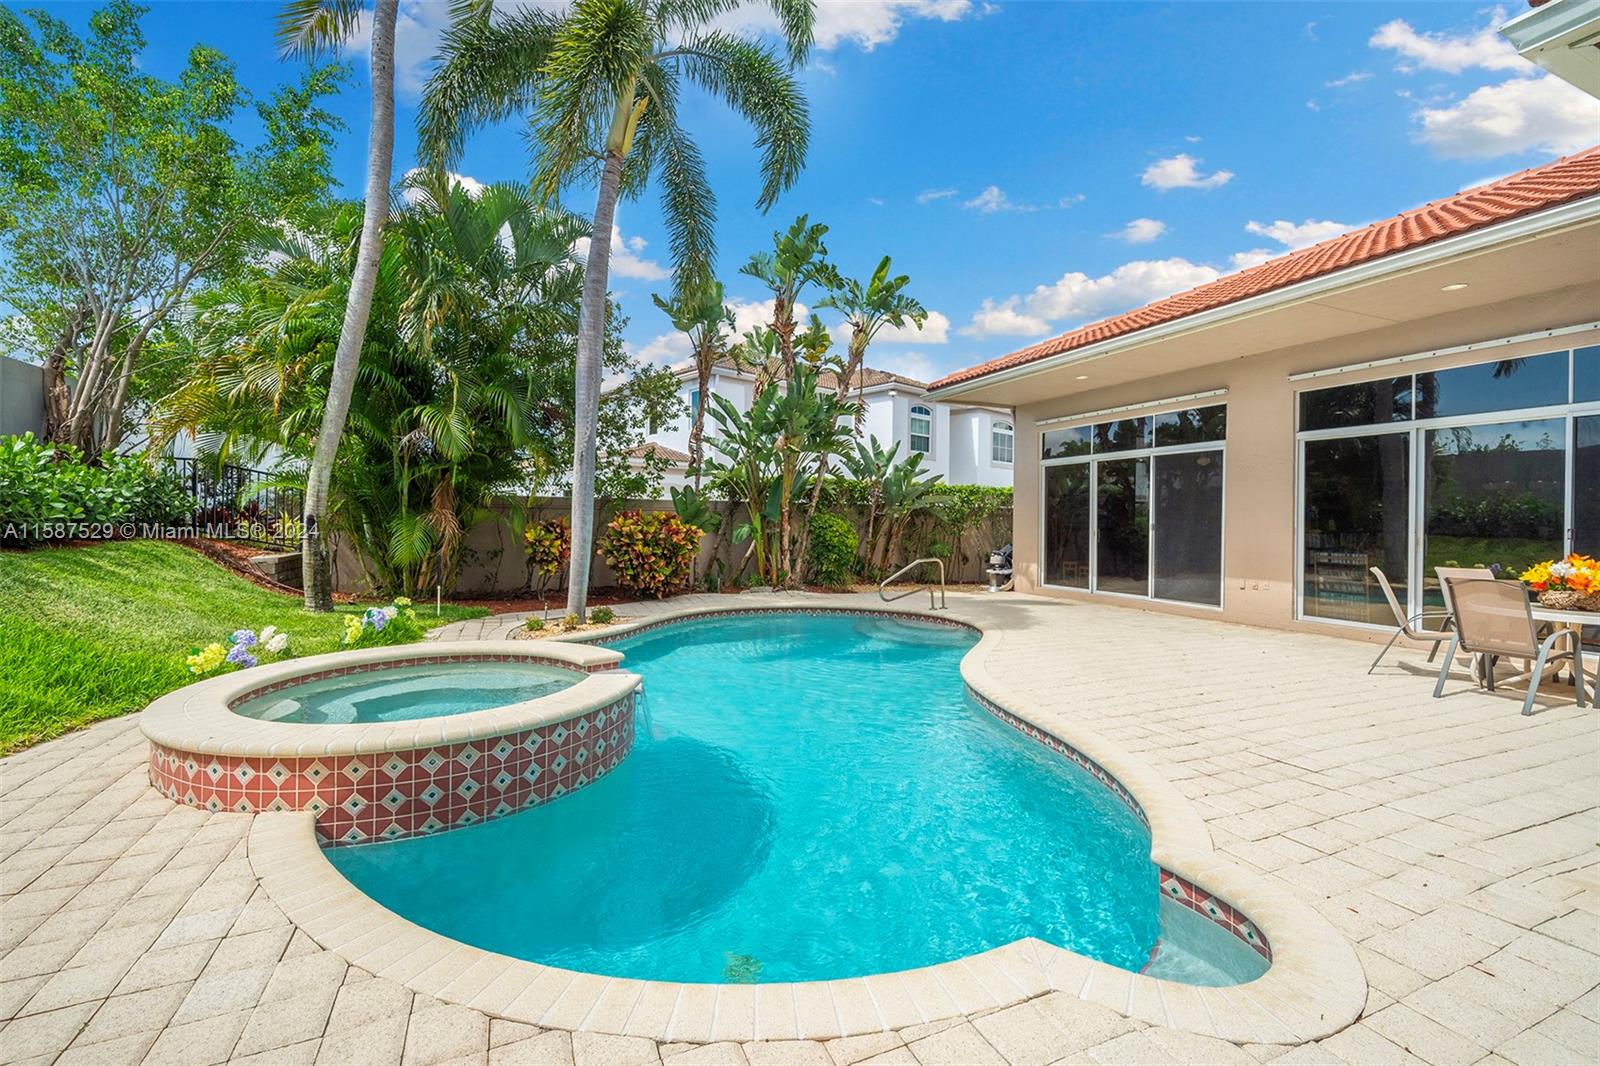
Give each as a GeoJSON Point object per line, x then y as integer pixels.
{"type": "Point", "coordinates": [1454, 841]}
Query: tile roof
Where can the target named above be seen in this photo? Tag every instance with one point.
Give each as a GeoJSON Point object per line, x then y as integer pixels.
{"type": "Point", "coordinates": [671, 455]}
{"type": "Point", "coordinates": [1570, 178]}
{"type": "Point", "coordinates": [825, 379]}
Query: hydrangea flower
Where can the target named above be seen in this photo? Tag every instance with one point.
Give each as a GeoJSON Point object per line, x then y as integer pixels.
{"type": "Point", "coordinates": [207, 659]}
{"type": "Point", "coordinates": [278, 643]}
{"type": "Point", "coordinates": [243, 638]}
{"type": "Point", "coordinates": [240, 655]}
{"type": "Point", "coordinates": [390, 612]}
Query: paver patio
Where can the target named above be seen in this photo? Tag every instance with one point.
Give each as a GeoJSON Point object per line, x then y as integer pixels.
{"type": "Point", "coordinates": [1453, 840]}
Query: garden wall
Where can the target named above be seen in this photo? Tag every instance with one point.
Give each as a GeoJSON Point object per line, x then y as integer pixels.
{"type": "Point", "coordinates": [494, 564]}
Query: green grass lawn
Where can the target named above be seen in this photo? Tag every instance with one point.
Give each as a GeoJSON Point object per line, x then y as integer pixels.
{"type": "Point", "coordinates": [91, 633]}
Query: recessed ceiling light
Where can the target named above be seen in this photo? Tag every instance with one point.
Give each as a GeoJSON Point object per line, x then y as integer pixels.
{"type": "Point", "coordinates": [1454, 286]}
{"type": "Point", "coordinates": [1083, 377]}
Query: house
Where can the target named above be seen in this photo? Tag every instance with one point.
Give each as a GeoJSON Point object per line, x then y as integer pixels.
{"type": "Point", "coordinates": [1563, 37]}
{"type": "Point", "coordinates": [965, 443]}
{"type": "Point", "coordinates": [1419, 392]}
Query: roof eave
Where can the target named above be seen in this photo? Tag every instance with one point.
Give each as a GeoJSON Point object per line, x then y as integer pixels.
{"type": "Point", "coordinates": [1535, 224]}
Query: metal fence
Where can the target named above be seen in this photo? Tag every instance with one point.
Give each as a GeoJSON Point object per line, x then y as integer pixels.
{"type": "Point", "coordinates": [242, 504]}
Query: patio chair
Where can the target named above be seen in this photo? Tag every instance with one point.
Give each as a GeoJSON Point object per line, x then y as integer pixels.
{"type": "Point", "coordinates": [1407, 626]}
{"type": "Point", "coordinates": [1493, 619]}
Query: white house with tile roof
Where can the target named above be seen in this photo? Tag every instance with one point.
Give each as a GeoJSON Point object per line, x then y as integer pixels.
{"type": "Point", "coordinates": [966, 444]}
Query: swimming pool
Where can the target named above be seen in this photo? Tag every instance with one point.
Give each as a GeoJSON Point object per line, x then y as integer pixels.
{"type": "Point", "coordinates": [808, 797]}
{"type": "Point", "coordinates": [406, 693]}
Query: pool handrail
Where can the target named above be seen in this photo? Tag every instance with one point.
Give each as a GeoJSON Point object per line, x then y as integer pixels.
{"type": "Point", "coordinates": [884, 584]}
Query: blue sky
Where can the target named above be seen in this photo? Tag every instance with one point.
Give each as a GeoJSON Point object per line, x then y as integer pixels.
{"type": "Point", "coordinates": [1037, 165]}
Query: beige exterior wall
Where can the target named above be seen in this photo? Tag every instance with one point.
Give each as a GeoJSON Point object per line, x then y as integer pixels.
{"type": "Point", "coordinates": [1259, 548]}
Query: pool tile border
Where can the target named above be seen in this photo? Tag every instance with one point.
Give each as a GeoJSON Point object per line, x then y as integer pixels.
{"type": "Point", "coordinates": [1314, 987]}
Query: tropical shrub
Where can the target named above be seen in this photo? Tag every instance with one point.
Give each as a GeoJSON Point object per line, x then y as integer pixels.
{"type": "Point", "coordinates": [242, 649]}
{"type": "Point", "coordinates": [603, 616]}
{"type": "Point", "coordinates": [549, 546]}
{"type": "Point", "coordinates": [48, 494]}
{"type": "Point", "coordinates": [533, 624]}
{"type": "Point", "coordinates": [833, 550]}
{"type": "Point", "coordinates": [650, 552]}
{"type": "Point", "coordinates": [379, 627]}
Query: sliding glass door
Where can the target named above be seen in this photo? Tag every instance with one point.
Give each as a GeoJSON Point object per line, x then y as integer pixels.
{"type": "Point", "coordinates": [1133, 506]}
{"type": "Point", "coordinates": [1489, 465]}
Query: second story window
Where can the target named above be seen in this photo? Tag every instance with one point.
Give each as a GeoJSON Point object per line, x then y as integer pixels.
{"type": "Point", "coordinates": [1003, 443]}
{"type": "Point", "coordinates": [921, 428]}
{"type": "Point", "coordinates": [694, 403]}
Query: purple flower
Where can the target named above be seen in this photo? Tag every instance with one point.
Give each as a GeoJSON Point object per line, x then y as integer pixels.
{"type": "Point", "coordinates": [243, 638]}
{"type": "Point", "coordinates": [377, 619]}
{"type": "Point", "coordinates": [240, 655]}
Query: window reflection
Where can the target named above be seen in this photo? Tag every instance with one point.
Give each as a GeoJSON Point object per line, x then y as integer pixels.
{"type": "Point", "coordinates": [1122, 554]}
{"type": "Point", "coordinates": [1357, 502]}
{"type": "Point", "coordinates": [1500, 385]}
{"type": "Point", "coordinates": [1066, 525]}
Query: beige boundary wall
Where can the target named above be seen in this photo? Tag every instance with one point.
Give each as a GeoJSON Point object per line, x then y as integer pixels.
{"type": "Point", "coordinates": [1259, 548]}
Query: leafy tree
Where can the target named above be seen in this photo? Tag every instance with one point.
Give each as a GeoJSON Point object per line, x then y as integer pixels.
{"type": "Point", "coordinates": [307, 27]}
{"type": "Point", "coordinates": [464, 384]}
{"type": "Point", "coordinates": [120, 192]}
{"type": "Point", "coordinates": [798, 259]}
{"type": "Point", "coordinates": [701, 313]}
{"type": "Point", "coordinates": [867, 309]}
{"type": "Point", "coordinates": [601, 83]}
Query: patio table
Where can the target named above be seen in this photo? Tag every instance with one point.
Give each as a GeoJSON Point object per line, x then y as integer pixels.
{"type": "Point", "coordinates": [1575, 621]}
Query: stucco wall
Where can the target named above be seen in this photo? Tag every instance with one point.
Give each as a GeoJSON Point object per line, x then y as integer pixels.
{"type": "Point", "coordinates": [1259, 509]}
{"type": "Point", "coordinates": [21, 397]}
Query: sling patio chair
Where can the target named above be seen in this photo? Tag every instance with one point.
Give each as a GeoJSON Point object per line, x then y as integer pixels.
{"type": "Point", "coordinates": [1495, 619]}
{"type": "Point", "coordinates": [1408, 627]}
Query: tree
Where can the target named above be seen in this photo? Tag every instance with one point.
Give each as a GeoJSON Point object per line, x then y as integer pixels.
{"type": "Point", "coordinates": [701, 314]}
{"type": "Point", "coordinates": [601, 83]}
{"type": "Point", "coordinates": [798, 259]}
{"type": "Point", "coordinates": [120, 192]}
{"type": "Point", "coordinates": [867, 309]}
{"type": "Point", "coordinates": [307, 27]}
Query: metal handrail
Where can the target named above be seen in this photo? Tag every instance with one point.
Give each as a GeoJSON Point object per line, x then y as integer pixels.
{"type": "Point", "coordinates": [884, 584]}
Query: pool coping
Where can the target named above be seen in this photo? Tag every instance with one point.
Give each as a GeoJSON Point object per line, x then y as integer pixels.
{"type": "Point", "coordinates": [1314, 987]}
{"type": "Point", "coordinates": [199, 717]}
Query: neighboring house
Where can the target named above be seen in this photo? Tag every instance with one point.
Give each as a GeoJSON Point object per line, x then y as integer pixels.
{"type": "Point", "coordinates": [966, 444]}
{"type": "Point", "coordinates": [1423, 391]}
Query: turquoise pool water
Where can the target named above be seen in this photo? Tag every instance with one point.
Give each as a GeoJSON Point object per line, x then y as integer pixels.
{"type": "Point", "coordinates": [402, 693]}
{"type": "Point", "coordinates": [810, 797]}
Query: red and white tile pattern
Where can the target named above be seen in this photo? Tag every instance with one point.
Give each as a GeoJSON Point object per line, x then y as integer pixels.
{"type": "Point", "coordinates": [388, 795]}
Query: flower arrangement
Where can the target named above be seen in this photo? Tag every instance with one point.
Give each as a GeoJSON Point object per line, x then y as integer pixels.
{"type": "Point", "coordinates": [243, 649]}
{"type": "Point", "coordinates": [379, 626]}
{"type": "Point", "coordinates": [1572, 583]}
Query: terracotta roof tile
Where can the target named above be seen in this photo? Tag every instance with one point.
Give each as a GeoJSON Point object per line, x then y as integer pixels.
{"type": "Point", "coordinates": [1567, 179]}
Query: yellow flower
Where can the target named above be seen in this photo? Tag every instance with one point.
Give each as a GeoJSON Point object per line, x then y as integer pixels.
{"type": "Point", "coordinates": [402, 601]}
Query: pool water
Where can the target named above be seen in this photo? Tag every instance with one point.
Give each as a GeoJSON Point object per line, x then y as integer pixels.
{"type": "Point", "coordinates": [403, 693]}
{"type": "Point", "coordinates": [809, 797]}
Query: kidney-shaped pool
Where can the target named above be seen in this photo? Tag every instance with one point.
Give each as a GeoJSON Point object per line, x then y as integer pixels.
{"type": "Point", "coordinates": [810, 796]}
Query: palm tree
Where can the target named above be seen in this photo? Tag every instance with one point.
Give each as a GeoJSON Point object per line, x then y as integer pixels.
{"type": "Point", "coordinates": [306, 27]}
{"type": "Point", "coordinates": [867, 309]}
{"type": "Point", "coordinates": [798, 258]}
{"type": "Point", "coordinates": [600, 83]}
{"type": "Point", "coordinates": [701, 314]}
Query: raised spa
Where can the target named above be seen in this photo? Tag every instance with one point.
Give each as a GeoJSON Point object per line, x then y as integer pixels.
{"type": "Point", "coordinates": [809, 796]}
{"type": "Point", "coordinates": [405, 693]}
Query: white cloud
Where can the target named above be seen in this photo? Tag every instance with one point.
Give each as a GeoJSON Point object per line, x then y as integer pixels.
{"type": "Point", "coordinates": [863, 23]}
{"type": "Point", "coordinates": [935, 329]}
{"type": "Point", "coordinates": [1140, 231]}
{"type": "Point", "coordinates": [993, 200]}
{"type": "Point", "coordinates": [1005, 319]}
{"type": "Point", "coordinates": [472, 185]}
{"type": "Point", "coordinates": [748, 314]}
{"type": "Point", "coordinates": [1182, 171]}
{"type": "Point", "coordinates": [1077, 296]}
{"type": "Point", "coordinates": [1071, 201]}
{"type": "Point", "coordinates": [1355, 77]}
{"type": "Point", "coordinates": [627, 257]}
{"type": "Point", "coordinates": [1296, 234]}
{"type": "Point", "coordinates": [914, 365]}
{"type": "Point", "coordinates": [928, 196]}
{"type": "Point", "coordinates": [664, 350]}
{"type": "Point", "coordinates": [1252, 257]}
{"type": "Point", "coordinates": [1520, 115]}
{"type": "Point", "coordinates": [1452, 53]}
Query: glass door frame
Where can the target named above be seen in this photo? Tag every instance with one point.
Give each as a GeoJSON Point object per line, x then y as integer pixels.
{"type": "Point", "coordinates": [1093, 460]}
{"type": "Point", "coordinates": [1416, 518]}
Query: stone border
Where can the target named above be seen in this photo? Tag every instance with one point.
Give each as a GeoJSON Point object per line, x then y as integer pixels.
{"type": "Point", "coordinates": [198, 718]}
{"type": "Point", "coordinates": [1314, 987]}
